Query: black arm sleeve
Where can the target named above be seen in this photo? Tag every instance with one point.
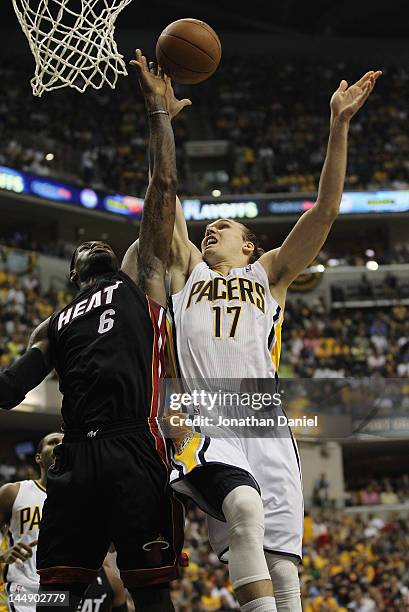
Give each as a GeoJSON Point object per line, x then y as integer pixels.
{"type": "Point", "coordinates": [25, 374]}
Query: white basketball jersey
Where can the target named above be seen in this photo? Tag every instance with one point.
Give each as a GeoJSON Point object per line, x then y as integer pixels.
{"type": "Point", "coordinates": [24, 526]}
{"type": "Point", "coordinates": [226, 326]}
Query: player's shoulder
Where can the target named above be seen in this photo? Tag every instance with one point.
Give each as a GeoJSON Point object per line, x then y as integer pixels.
{"type": "Point", "coordinates": [179, 281]}
{"type": "Point", "coordinates": [8, 493]}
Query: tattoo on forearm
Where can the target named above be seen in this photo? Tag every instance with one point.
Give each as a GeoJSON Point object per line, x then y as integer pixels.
{"type": "Point", "coordinates": [159, 209]}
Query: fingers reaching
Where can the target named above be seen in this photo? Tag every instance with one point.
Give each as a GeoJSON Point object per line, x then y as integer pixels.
{"type": "Point", "coordinates": [142, 64]}
{"type": "Point", "coordinates": [371, 75]}
{"type": "Point", "coordinates": [364, 78]}
{"type": "Point", "coordinates": [20, 552]}
{"type": "Point", "coordinates": [140, 61]}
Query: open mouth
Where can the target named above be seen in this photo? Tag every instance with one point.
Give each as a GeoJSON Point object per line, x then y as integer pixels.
{"type": "Point", "coordinates": [210, 241]}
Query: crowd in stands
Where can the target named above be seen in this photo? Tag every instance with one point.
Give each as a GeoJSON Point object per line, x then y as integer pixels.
{"type": "Point", "coordinates": [345, 342]}
{"type": "Point", "coordinates": [24, 304]}
{"type": "Point", "coordinates": [350, 562]}
{"type": "Point", "coordinates": [98, 139]}
{"type": "Point", "coordinates": [277, 128]}
{"type": "Point", "coordinates": [279, 124]}
{"type": "Point", "coordinates": [20, 239]}
{"type": "Point", "coordinates": [380, 491]}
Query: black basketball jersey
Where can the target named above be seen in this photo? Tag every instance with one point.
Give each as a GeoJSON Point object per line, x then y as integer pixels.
{"type": "Point", "coordinates": [107, 347]}
{"type": "Point", "coordinates": [99, 595]}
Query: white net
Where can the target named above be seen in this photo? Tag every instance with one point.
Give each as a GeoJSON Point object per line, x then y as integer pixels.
{"type": "Point", "coordinates": [72, 42]}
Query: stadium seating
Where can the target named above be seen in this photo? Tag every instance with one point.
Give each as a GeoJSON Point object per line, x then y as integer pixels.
{"type": "Point", "coordinates": [276, 145]}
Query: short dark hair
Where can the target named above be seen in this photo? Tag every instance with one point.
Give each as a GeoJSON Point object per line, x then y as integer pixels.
{"type": "Point", "coordinates": [40, 445]}
{"type": "Point", "coordinates": [249, 236]}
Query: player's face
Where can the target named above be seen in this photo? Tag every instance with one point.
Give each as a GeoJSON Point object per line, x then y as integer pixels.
{"type": "Point", "coordinates": [46, 457]}
{"type": "Point", "coordinates": [223, 240]}
{"type": "Point", "coordinates": [94, 258]}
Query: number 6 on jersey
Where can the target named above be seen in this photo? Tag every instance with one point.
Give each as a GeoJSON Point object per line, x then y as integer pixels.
{"type": "Point", "coordinates": [106, 322]}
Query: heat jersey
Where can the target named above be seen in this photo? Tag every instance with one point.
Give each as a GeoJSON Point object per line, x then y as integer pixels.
{"type": "Point", "coordinates": [24, 526]}
{"type": "Point", "coordinates": [107, 349]}
{"type": "Point", "coordinates": [226, 326]}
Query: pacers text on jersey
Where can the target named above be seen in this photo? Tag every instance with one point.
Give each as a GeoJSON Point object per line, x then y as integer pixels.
{"type": "Point", "coordinates": [236, 288]}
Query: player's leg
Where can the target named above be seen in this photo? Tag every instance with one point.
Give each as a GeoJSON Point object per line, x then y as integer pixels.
{"type": "Point", "coordinates": [232, 493]}
{"type": "Point", "coordinates": [119, 595]}
{"type": "Point", "coordinates": [284, 575]}
{"type": "Point", "coordinates": [152, 599]}
{"type": "Point", "coordinates": [72, 541]}
{"type": "Point", "coordinates": [146, 522]}
{"type": "Point", "coordinates": [274, 461]}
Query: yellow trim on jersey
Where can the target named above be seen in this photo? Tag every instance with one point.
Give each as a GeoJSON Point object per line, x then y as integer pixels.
{"type": "Point", "coordinates": [4, 545]}
{"type": "Point", "coordinates": [276, 350]}
{"type": "Point", "coordinates": [188, 455]}
{"type": "Point", "coordinates": [40, 486]}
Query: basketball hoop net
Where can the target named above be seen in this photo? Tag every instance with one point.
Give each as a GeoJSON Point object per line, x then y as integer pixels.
{"type": "Point", "coordinates": [72, 47]}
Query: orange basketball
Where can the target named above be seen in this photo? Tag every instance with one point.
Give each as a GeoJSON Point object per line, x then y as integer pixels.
{"type": "Point", "coordinates": [189, 51]}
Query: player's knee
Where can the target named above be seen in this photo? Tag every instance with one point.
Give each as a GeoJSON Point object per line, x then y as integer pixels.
{"type": "Point", "coordinates": [284, 576]}
{"type": "Point", "coordinates": [243, 510]}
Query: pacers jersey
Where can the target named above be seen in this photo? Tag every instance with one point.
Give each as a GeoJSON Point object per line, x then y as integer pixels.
{"type": "Point", "coordinates": [24, 526]}
{"type": "Point", "coordinates": [230, 328]}
{"type": "Point", "coordinates": [226, 326]}
{"type": "Point", "coordinates": [107, 348]}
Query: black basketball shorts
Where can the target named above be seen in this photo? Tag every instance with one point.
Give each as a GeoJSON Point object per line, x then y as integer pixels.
{"type": "Point", "coordinates": [110, 485]}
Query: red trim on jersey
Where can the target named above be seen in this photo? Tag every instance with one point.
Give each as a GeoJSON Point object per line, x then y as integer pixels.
{"type": "Point", "coordinates": [149, 577]}
{"type": "Point", "coordinates": [158, 317]}
{"type": "Point", "coordinates": [62, 574]}
{"type": "Point", "coordinates": [178, 521]}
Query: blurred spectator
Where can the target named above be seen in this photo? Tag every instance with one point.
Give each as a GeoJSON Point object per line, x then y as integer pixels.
{"type": "Point", "coordinates": [321, 491]}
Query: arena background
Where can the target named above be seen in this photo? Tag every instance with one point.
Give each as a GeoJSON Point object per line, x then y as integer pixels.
{"type": "Point", "coordinates": [251, 148]}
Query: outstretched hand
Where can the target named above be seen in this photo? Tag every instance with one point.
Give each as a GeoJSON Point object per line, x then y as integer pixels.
{"type": "Point", "coordinates": [346, 101]}
{"type": "Point", "coordinates": [154, 82]}
{"type": "Point", "coordinates": [151, 78]}
{"type": "Point", "coordinates": [174, 105]}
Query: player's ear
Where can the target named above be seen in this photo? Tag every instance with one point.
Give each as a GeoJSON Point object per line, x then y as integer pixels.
{"type": "Point", "coordinates": [37, 458]}
{"type": "Point", "coordinates": [248, 247]}
{"type": "Point", "coordinates": [74, 278]}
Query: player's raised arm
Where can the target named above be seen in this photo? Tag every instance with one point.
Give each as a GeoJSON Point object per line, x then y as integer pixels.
{"type": "Point", "coordinates": [305, 240]}
{"type": "Point", "coordinates": [158, 216]}
{"type": "Point", "coordinates": [184, 254]}
{"type": "Point", "coordinates": [27, 371]}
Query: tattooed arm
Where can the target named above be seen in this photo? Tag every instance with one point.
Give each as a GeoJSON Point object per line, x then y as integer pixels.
{"type": "Point", "coordinates": [152, 252]}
